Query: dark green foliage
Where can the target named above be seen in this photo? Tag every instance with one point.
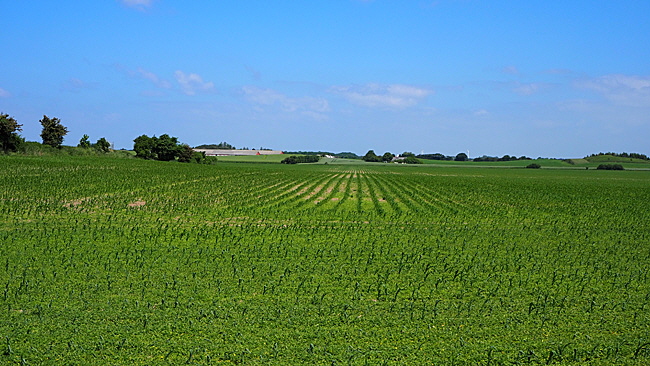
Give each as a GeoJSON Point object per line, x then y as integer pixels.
{"type": "Point", "coordinates": [102, 145]}
{"type": "Point", "coordinates": [503, 158]}
{"type": "Point", "coordinates": [533, 166]}
{"type": "Point", "coordinates": [143, 147]}
{"type": "Point", "coordinates": [220, 146]}
{"type": "Point", "coordinates": [84, 142]}
{"type": "Point", "coordinates": [186, 153]}
{"type": "Point", "coordinates": [461, 157]}
{"type": "Point", "coordinates": [347, 155]}
{"type": "Point", "coordinates": [387, 157]}
{"type": "Point", "coordinates": [406, 154]}
{"type": "Point", "coordinates": [10, 141]}
{"type": "Point", "coordinates": [301, 159]}
{"type": "Point", "coordinates": [411, 160]}
{"type": "Point", "coordinates": [610, 167]}
{"type": "Point", "coordinates": [165, 147]}
{"type": "Point", "coordinates": [436, 156]}
{"type": "Point", "coordinates": [371, 157]}
{"type": "Point", "coordinates": [622, 155]}
{"type": "Point", "coordinates": [53, 131]}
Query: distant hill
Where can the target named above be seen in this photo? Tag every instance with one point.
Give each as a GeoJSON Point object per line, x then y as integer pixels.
{"type": "Point", "coordinates": [613, 159]}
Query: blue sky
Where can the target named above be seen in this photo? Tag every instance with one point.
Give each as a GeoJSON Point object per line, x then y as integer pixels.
{"type": "Point", "coordinates": [537, 78]}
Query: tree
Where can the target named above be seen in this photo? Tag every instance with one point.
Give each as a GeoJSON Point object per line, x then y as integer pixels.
{"type": "Point", "coordinates": [411, 160]}
{"type": "Point", "coordinates": [143, 147]}
{"type": "Point", "coordinates": [84, 143]}
{"type": "Point", "coordinates": [165, 148]}
{"type": "Point", "coordinates": [53, 131]}
{"type": "Point", "coordinates": [103, 145]}
{"type": "Point", "coordinates": [371, 156]}
{"type": "Point", "coordinates": [9, 138]}
{"type": "Point", "coordinates": [461, 157]}
{"type": "Point", "coordinates": [186, 154]}
{"type": "Point", "coordinates": [406, 154]}
{"type": "Point", "coordinates": [387, 157]}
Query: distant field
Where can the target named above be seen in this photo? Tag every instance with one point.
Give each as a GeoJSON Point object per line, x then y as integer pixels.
{"type": "Point", "coordinates": [132, 262]}
{"type": "Point", "coordinates": [517, 163]}
{"type": "Point", "coordinates": [544, 163]}
{"type": "Point", "coordinates": [253, 158]}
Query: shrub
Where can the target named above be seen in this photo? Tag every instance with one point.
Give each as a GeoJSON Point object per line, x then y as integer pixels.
{"type": "Point", "coordinates": [411, 160]}
{"type": "Point", "coordinates": [610, 167]}
{"type": "Point", "coordinates": [533, 166]}
{"type": "Point", "coordinates": [301, 159]}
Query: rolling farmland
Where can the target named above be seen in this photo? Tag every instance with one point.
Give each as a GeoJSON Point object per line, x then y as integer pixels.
{"type": "Point", "coordinates": [123, 261]}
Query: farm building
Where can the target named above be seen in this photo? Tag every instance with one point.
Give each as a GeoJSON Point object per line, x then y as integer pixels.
{"type": "Point", "coordinates": [220, 152]}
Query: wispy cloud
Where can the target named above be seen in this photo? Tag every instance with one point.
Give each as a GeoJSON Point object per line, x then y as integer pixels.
{"type": "Point", "coordinates": [314, 107]}
{"type": "Point", "coordinates": [511, 70]}
{"type": "Point", "coordinates": [481, 112]}
{"type": "Point", "coordinates": [383, 96]}
{"type": "Point", "coordinates": [143, 74]}
{"type": "Point", "coordinates": [137, 4]}
{"type": "Point", "coordinates": [255, 74]}
{"type": "Point", "coordinates": [76, 85]}
{"type": "Point", "coordinates": [4, 93]}
{"type": "Point", "coordinates": [529, 88]}
{"type": "Point", "coordinates": [158, 82]}
{"type": "Point", "coordinates": [626, 90]}
{"type": "Point", "coordinates": [192, 83]}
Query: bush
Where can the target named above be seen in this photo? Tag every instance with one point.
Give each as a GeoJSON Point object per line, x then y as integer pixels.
{"type": "Point", "coordinates": [610, 167]}
{"type": "Point", "coordinates": [533, 166]}
{"type": "Point", "coordinates": [411, 160]}
{"type": "Point", "coordinates": [300, 159]}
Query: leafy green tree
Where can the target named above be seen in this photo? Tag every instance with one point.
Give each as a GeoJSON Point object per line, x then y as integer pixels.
{"type": "Point", "coordinates": [412, 160]}
{"type": "Point", "coordinates": [103, 145]}
{"type": "Point", "coordinates": [371, 157]}
{"type": "Point", "coordinates": [461, 157]}
{"type": "Point", "coordinates": [53, 131]}
{"type": "Point", "coordinates": [165, 148]}
{"type": "Point", "coordinates": [9, 138]}
{"type": "Point", "coordinates": [406, 154]}
{"type": "Point", "coordinates": [387, 157]}
{"type": "Point", "coordinates": [84, 143]}
{"type": "Point", "coordinates": [143, 146]}
{"type": "Point", "coordinates": [186, 154]}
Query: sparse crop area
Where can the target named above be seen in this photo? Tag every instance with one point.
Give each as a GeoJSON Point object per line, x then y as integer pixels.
{"type": "Point", "coordinates": [126, 261]}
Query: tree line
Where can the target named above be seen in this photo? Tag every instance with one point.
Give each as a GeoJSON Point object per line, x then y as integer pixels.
{"type": "Point", "coordinates": [621, 155]}
{"type": "Point", "coordinates": [52, 134]}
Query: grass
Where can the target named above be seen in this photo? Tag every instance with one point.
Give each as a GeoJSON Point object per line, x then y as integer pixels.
{"type": "Point", "coordinates": [125, 261]}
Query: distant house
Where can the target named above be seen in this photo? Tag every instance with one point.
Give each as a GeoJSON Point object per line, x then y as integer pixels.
{"type": "Point", "coordinates": [220, 152]}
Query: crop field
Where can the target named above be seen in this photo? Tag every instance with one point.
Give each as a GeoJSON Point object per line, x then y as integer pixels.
{"type": "Point", "coordinates": [121, 261]}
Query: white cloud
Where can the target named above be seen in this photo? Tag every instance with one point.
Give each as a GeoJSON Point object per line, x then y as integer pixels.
{"type": "Point", "coordinates": [76, 85]}
{"type": "Point", "coordinates": [191, 83]}
{"type": "Point", "coordinates": [624, 90]}
{"type": "Point", "coordinates": [160, 83]}
{"type": "Point", "coordinates": [512, 70]}
{"type": "Point", "coordinates": [4, 93]}
{"type": "Point", "coordinates": [528, 88]}
{"type": "Point", "coordinates": [141, 73]}
{"type": "Point", "coordinates": [313, 107]}
{"type": "Point", "coordinates": [481, 112]}
{"type": "Point", "coordinates": [387, 96]}
{"type": "Point", "coordinates": [138, 4]}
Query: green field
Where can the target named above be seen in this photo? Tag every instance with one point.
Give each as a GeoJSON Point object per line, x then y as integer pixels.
{"type": "Point", "coordinates": [122, 261]}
